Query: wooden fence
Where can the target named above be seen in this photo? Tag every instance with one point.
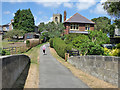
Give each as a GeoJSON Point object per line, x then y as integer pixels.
{"type": "Point", "coordinates": [16, 50]}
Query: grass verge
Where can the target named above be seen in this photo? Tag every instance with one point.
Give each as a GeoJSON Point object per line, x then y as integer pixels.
{"type": "Point", "coordinates": [91, 81]}
{"type": "Point", "coordinates": [32, 80]}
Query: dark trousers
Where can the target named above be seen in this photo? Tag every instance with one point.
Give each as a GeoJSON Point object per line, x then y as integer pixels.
{"type": "Point", "coordinates": [43, 51]}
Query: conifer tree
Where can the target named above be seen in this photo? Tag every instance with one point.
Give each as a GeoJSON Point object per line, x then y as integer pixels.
{"type": "Point", "coordinates": [24, 20]}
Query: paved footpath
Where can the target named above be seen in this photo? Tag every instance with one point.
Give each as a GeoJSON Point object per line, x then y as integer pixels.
{"type": "Point", "coordinates": [54, 75]}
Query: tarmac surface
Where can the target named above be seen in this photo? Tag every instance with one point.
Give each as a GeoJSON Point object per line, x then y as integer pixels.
{"type": "Point", "coordinates": [54, 75]}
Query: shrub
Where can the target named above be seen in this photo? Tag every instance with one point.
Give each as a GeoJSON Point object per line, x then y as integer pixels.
{"type": "Point", "coordinates": [60, 47]}
{"type": "Point", "coordinates": [27, 43]}
{"type": "Point", "coordinates": [95, 49]}
{"type": "Point", "coordinates": [118, 45]}
{"type": "Point", "coordinates": [107, 51]}
{"type": "Point", "coordinates": [115, 52]}
{"type": "Point", "coordinates": [5, 52]}
{"type": "Point", "coordinates": [51, 43]}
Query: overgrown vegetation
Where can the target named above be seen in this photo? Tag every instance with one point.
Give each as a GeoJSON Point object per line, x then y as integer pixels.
{"type": "Point", "coordinates": [60, 46]}
{"type": "Point", "coordinates": [104, 24]}
{"type": "Point", "coordinates": [5, 52]}
{"type": "Point", "coordinates": [50, 30]}
{"type": "Point", "coordinates": [88, 44]}
{"type": "Point", "coordinates": [14, 34]}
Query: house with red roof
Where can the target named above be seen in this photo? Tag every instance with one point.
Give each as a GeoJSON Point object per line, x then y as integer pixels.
{"type": "Point", "coordinates": [77, 24]}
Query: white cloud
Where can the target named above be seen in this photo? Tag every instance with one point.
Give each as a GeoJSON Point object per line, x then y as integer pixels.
{"type": "Point", "coordinates": [98, 9]}
{"type": "Point", "coordinates": [102, 1]}
{"type": "Point", "coordinates": [50, 4]}
{"type": "Point", "coordinates": [45, 19]}
{"type": "Point", "coordinates": [6, 12]}
{"type": "Point", "coordinates": [13, 14]}
{"type": "Point", "coordinates": [83, 5]}
{"type": "Point", "coordinates": [69, 5]}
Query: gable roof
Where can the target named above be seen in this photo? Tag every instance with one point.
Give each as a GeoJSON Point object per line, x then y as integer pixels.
{"type": "Point", "coordinates": [77, 18]}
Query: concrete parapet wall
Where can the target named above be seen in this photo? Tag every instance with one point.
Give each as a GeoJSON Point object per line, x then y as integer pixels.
{"type": "Point", "coordinates": [106, 68]}
{"type": "Point", "coordinates": [12, 67]}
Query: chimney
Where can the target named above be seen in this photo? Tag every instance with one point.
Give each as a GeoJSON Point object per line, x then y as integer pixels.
{"type": "Point", "coordinates": [12, 20]}
{"type": "Point", "coordinates": [64, 15]}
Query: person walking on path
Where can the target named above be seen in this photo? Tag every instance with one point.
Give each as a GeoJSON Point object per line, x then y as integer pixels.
{"type": "Point", "coordinates": [44, 47]}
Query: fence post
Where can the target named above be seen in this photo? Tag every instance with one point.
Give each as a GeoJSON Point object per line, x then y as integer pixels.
{"type": "Point", "coordinates": [66, 56]}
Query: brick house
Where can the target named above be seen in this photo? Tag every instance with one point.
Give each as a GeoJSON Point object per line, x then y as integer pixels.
{"type": "Point", "coordinates": [77, 24]}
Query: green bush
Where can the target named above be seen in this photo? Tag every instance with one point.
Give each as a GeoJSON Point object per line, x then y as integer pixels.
{"type": "Point", "coordinates": [27, 43]}
{"type": "Point", "coordinates": [5, 52]}
{"type": "Point", "coordinates": [118, 46]}
{"type": "Point", "coordinates": [60, 47]}
{"type": "Point", "coordinates": [51, 43]}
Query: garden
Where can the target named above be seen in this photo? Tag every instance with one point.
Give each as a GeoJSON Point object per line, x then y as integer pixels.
{"type": "Point", "coordinates": [86, 44]}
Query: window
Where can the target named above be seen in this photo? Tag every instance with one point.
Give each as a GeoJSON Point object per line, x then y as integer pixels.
{"type": "Point", "coordinates": [56, 19]}
{"type": "Point", "coordinates": [74, 27]}
{"type": "Point", "coordinates": [87, 27]}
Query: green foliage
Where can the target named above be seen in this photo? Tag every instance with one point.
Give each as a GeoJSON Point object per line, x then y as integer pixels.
{"type": "Point", "coordinates": [113, 9]}
{"type": "Point", "coordinates": [60, 46]}
{"type": "Point", "coordinates": [27, 43]}
{"type": "Point", "coordinates": [24, 20]}
{"type": "Point", "coordinates": [44, 37]}
{"type": "Point", "coordinates": [102, 24]}
{"type": "Point", "coordinates": [69, 38]}
{"type": "Point", "coordinates": [95, 49]}
{"type": "Point", "coordinates": [114, 52]}
{"type": "Point", "coordinates": [98, 37]}
{"type": "Point", "coordinates": [81, 43]}
{"type": "Point", "coordinates": [112, 30]}
{"type": "Point", "coordinates": [5, 52]}
{"type": "Point", "coordinates": [54, 30]}
{"type": "Point", "coordinates": [13, 33]}
{"type": "Point", "coordinates": [41, 27]}
{"type": "Point", "coordinates": [88, 44]}
{"type": "Point", "coordinates": [118, 46]}
{"type": "Point", "coordinates": [51, 42]}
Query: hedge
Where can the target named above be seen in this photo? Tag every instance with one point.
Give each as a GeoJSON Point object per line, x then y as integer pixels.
{"type": "Point", "coordinates": [60, 46]}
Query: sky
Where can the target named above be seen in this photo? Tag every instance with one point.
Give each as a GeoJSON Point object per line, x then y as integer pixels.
{"type": "Point", "coordinates": [43, 10]}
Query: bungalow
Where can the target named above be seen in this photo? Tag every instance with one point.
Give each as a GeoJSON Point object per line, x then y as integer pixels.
{"type": "Point", "coordinates": [77, 24]}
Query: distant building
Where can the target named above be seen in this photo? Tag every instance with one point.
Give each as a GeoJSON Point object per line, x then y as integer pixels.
{"type": "Point", "coordinates": [117, 32]}
{"type": "Point", "coordinates": [77, 24]}
{"type": "Point", "coordinates": [57, 18]}
{"type": "Point", "coordinates": [7, 27]}
{"type": "Point", "coordinates": [31, 36]}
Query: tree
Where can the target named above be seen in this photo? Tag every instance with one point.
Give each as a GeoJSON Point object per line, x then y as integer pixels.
{"type": "Point", "coordinates": [102, 24]}
{"type": "Point", "coordinates": [81, 43]}
{"type": "Point", "coordinates": [24, 20]}
{"type": "Point", "coordinates": [54, 30]}
{"type": "Point", "coordinates": [91, 44]}
{"type": "Point", "coordinates": [41, 27]}
{"type": "Point", "coordinates": [98, 37]}
{"type": "Point", "coordinates": [13, 33]}
{"type": "Point", "coordinates": [113, 9]}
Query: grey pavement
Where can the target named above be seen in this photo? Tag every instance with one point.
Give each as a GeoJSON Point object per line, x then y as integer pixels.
{"type": "Point", "coordinates": [54, 75]}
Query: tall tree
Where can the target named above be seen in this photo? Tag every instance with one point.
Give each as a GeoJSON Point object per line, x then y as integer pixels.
{"type": "Point", "coordinates": [102, 24]}
{"type": "Point", "coordinates": [113, 9]}
{"type": "Point", "coordinates": [24, 20]}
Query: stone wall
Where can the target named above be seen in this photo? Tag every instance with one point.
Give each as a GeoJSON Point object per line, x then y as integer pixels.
{"type": "Point", "coordinates": [106, 68]}
{"type": "Point", "coordinates": [12, 67]}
